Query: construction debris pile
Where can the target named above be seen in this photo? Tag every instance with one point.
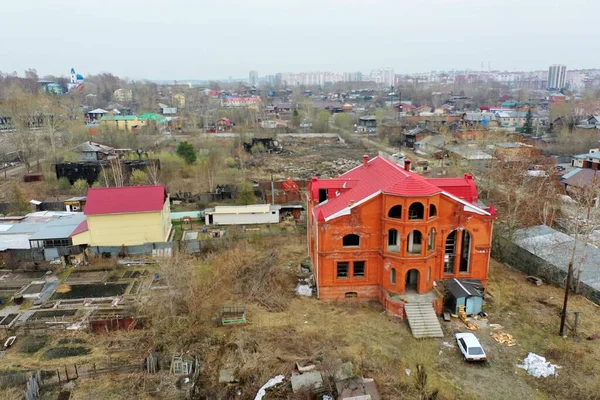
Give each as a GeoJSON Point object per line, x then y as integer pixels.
{"type": "Point", "coordinates": [462, 315]}
{"type": "Point", "coordinates": [336, 167]}
{"type": "Point", "coordinates": [503, 338]}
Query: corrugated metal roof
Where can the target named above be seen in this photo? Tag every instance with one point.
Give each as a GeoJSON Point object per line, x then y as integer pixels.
{"type": "Point", "coordinates": [582, 177]}
{"type": "Point", "coordinates": [129, 199]}
{"type": "Point", "coordinates": [380, 176]}
{"type": "Point", "coordinates": [82, 227]}
{"type": "Point", "coordinates": [570, 173]}
{"type": "Point", "coordinates": [25, 227]}
{"type": "Point", "coordinates": [91, 146]}
{"type": "Point", "coordinates": [435, 140]}
{"type": "Point", "coordinates": [587, 155]}
{"type": "Point", "coordinates": [59, 228]}
{"type": "Point", "coordinates": [463, 188]}
{"type": "Point", "coordinates": [512, 145]}
{"type": "Point", "coordinates": [463, 288]}
{"type": "Point", "coordinates": [119, 118]}
{"type": "Point", "coordinates": [5, 227]}
{"type": "Point", "coordinates": [18, 241]}
{"type": "Point", "coordinates": [556, 248]}
{"type": "Point", "coordinates": [470, 153]}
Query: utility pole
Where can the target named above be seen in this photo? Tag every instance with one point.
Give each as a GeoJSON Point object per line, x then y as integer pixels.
{"type": "Point", "coordinates": [563, 315]}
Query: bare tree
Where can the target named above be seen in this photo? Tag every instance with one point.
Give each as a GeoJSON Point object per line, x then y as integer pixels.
{"type": "Point", "coordinates": [153, 172]}
{"type": "Point", "coordinates": [117, 172]}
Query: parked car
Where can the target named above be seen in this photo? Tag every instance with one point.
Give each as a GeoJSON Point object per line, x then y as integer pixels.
{"type": "Point", "coordinates": [469, 347]}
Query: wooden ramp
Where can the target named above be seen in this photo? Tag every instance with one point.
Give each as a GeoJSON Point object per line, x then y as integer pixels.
{"type": "Point", "coordinates": [422, 320]}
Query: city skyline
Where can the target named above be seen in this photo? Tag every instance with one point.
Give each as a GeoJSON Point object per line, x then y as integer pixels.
{"type": "Point", "coordinates": [183, 40]}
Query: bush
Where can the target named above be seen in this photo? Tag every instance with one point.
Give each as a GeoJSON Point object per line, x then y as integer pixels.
{"type": "Point", "coordinates": [64, 185]}
{"type": "Point", "coordinates": [343, 121]}
{"type": "Point", "coordinates": [230, 162]}
{"type": "Point", "coordinates": [258, 148]}
{"type": "Point", "coordinates": [80, 187]}
{"type": "Point", "coordinates": [138, 178]}
{"type": "Point", "coordinates": [321, 125]}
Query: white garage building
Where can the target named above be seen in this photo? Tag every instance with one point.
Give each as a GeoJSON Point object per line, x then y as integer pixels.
{"type": "Point", "coordinates": [242, 215]}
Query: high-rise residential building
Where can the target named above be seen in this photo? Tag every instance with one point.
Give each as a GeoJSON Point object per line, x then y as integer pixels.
{"type": "Point", "coordinates": [384, 76]}
{"type": "Point", "coordinates": [557, 76]}
{"type": "Point", "coordinates": [352, 76]}
{"type": "Point", "coordinates": [253, 78]}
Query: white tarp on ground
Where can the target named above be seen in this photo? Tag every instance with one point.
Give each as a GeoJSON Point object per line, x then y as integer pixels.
{"type": "Point", "coordinates": [272, 382]}
{"type": "Point", "coordinates": [538, 366]}
{"type": "Point", "coordinates": [303, 290]}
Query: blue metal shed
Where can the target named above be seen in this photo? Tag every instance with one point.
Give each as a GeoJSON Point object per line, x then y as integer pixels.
{"type": "Point", "coordinates": [468, 293]}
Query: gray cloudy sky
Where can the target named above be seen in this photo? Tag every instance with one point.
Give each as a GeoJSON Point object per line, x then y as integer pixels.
{"type": "Point", "coordinates": [202, 39]}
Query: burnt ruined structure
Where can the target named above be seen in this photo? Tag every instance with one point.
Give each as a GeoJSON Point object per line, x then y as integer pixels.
{"type": "Point", "coordinates": [270, 145]}
{"type": "Point", "coordinates": [90, 170]}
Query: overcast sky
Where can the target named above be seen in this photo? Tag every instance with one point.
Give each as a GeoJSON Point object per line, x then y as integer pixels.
{"type": "Point", "coordinates": [208, 39]}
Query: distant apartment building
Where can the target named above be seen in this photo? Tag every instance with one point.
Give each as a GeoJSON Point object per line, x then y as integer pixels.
{"type": "Point", "coordinates": [309, 78]}
{"type": "Point", "coordinates": [353, 76]}
{"type": "Point", "coordinates": [253, 78]}
{"type": "Point", "coordinates": [557, 75]}
{"type": "Point", "coordinates": [384, 76]}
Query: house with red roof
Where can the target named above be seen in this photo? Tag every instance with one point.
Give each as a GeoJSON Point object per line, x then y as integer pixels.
{"type": "Point", "coordinates": [381, 231]}
{"type": "Point", "coordinates": [129, 216]}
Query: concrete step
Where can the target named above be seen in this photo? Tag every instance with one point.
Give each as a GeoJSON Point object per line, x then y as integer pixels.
{"type": "Point", "coordinates": [422, 320]}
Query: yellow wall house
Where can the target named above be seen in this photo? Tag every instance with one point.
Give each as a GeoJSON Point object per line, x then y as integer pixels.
{"type": "Point", "coordinates": [125, 216]}
{"type": "Point", "coordinates": [127, 123]}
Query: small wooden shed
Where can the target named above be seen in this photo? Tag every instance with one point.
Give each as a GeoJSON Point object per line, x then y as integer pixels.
{"type": "Point", "coordinates": [467, 293]}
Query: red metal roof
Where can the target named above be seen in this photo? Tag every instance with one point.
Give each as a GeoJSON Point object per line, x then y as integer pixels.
{"type": "Point", "coordinates": [130, 199]}
{"type": "Point", "coordinates": [82, 227]}
{"type": "Point", "coordinates": [463, 188]}
{"type": "Point", "coordinates": [380, 175]}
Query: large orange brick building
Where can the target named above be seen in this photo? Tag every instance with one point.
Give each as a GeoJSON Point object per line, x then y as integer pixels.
{"type": "Point", "coordinates": [381, 230]}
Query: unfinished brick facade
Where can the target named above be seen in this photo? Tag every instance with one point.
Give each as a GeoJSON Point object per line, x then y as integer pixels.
{"type": "Point", "coordinates": [380, 230]}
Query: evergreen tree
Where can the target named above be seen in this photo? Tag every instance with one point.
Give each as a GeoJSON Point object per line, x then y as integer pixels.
{"type": "Point", "coordinates": [528, 125]}
{"type": "Point", "coordinates": [18, 205]}
{"type": "Point", "coordinates": [295, 118]}
{"type": "Point", "coordinates": [186, 151]}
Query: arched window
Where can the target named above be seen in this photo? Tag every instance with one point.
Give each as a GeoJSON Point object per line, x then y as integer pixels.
{"type": "Point", "coordinates": [465, 252]}
{"type": "Point", "coordinates": [395, 212]}
{"type": "Point", "coordinates": [449, 253]}
{"type": "Point", "coordinates": [393, 241]}
{"type": "Point", "coordinates": [432, 211]}
{"type": "Point", "coordinates": [415, 242]}
{"type": "Point", "coordinates": [431, 240]}
{"type": "Point", "coordinates": [416, 211]}
{"type": "Point", "coordinates": [393, 276]}
{"type": "Point", "coordinates": [351, 240]}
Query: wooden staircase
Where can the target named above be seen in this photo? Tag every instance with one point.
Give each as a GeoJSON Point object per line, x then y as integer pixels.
{"type": "Point", "coordinates": [422, 320]}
